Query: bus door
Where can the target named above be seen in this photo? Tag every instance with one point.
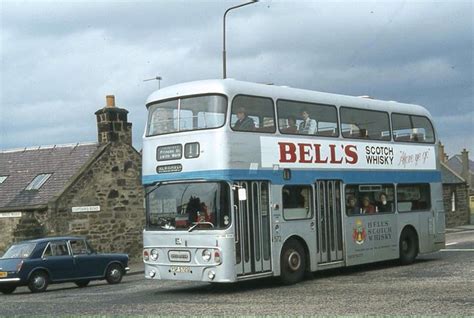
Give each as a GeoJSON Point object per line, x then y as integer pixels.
{"type": "Point", "coordinates": [329, 219]}
{"type": "Point", "coordinates": [252, 237]}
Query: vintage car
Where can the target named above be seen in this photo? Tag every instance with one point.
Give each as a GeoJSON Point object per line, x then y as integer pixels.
{"type": "Point", "coordinates": [38, 263]}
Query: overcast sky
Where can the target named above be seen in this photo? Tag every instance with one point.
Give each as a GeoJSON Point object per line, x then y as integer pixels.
{"type": "Point", "coordinates": [60, 58]}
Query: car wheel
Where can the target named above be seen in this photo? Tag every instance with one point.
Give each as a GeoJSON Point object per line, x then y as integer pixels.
{"type": "Point", "coordinates": [7, 290]}
{"type": "Point", "coordinates": [38, 282]}
{"type": "Point", "coordinates": [82, 283]}
{"type": "Point", "coordinates": [114, 274]}
{"type": "Point", "coordinates": [408, 246]}
{"type": "Point", "coordinates": [292, 262]}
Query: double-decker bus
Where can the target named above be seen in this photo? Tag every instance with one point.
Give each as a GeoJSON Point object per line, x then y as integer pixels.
{"type": "Point", "coordinates": [246, 180]}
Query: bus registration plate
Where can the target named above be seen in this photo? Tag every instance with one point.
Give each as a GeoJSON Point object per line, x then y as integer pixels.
{"type": "Point", "coordinates": [3, 274]}
{"type": "Point", "coordinates": [180, 269]}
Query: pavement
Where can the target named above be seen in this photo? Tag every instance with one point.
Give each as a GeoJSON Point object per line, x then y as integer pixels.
{"type": "Point", "coordinates": [138, 268]}
{"type": "Point", "coordinates": [462, 228]}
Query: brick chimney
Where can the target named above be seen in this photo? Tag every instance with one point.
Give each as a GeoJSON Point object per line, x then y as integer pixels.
{"type": "Point", "coordinates": [465, 166]}
{"type": "Point", "coordinates": [112, 125]}
{"type": "Point", "coordinates": [441, 153]}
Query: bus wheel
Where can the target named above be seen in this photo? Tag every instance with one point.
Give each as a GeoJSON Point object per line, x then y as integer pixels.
{"type": "Point", "coordinates": [292, 262]}
{"type": "Point", "coordinates": [408, 246]}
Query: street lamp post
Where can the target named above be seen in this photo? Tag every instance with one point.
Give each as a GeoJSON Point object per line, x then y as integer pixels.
{"type": "Point", "coordinates": [224, 68]}
{"type": "Point", "coordinates": [158, 78]}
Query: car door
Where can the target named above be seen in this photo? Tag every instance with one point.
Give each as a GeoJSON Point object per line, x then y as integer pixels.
{"type": "Point", "coordinates": [87, 263]}
{"type": "Point", "coordinates": [58, 260]}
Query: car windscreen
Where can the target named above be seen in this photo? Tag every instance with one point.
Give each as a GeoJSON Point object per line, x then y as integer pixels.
{"type": "Point", "coordinates": [20, 250]}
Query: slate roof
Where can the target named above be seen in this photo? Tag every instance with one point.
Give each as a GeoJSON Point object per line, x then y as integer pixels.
{"type": "Point", "coordinates": [449, 176]}
{"type": "Point", "coordinates": [455, 163]}
{"type": "Point", "coordinates": [22, 166]}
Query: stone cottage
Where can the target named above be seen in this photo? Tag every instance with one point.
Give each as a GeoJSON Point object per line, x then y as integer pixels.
{"type": "Point", "coordinates": [87, 189]}
{"type": "Point", "coordinates": [455, 192]}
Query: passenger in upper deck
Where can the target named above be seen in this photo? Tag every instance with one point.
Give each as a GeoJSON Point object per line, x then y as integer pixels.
{"type": "Point", "coordinates": [292, 127]}
{"type": "Point", "coordinates": [243, 122]}
{"type": "Point", "coordinates": [308, 125]}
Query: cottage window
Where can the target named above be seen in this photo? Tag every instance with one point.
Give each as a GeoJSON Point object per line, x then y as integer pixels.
{"type": "Point", "coordinates": [3, 178]}
{"type": "Point", "coordinates": [453, 201]}
{"type": "Point", "coordinates": [38, 181]}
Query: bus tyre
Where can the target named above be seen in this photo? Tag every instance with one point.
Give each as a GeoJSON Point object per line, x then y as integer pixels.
{"type": "Point", "coordinates": [38, 282]}
{"type": "Point", "coordinates": [114, 274]}
{"type": "Point", "coordinates": [408, 246]}
{"type": "Point", "coordinates": [292, 262]}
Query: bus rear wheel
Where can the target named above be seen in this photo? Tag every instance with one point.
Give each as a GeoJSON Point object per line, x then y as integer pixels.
{"type": "Point", "coordinates": [292, 262]}
{"type": "Point", "coordinates": [408, 246]}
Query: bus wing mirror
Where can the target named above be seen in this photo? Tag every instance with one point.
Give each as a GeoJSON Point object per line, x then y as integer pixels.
{"type": "Point", "coordinates": [242, 194]}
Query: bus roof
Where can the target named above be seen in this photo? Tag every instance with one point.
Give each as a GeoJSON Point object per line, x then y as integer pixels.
{"type": "Point", "coordinates": [231, 87]}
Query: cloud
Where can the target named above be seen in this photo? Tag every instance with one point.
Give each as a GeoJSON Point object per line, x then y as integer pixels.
{"type": "Point", "coordinates": [59, 59]}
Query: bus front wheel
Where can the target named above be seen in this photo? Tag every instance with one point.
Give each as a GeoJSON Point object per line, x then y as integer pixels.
{"type": "Point", "coordinates": [408, 246]}
{"type": "Point", "coordinates": [292, 262]}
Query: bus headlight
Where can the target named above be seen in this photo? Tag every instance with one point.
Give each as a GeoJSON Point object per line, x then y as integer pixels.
{"type": "Point", "coordinates": [206, 255]}
{"type": "Point", "coordinates": [154, 254]}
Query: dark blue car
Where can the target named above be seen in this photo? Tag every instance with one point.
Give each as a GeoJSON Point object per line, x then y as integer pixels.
{"type": "Point", "coordinates": [38, 263]}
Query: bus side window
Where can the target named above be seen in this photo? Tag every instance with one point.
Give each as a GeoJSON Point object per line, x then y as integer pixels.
{"type": "Point", "coordinates": [369, 199]}
{"type": "Point", "coordinates": [411, 128]}
{"type": "Point", "coordinates": [413, 197]}
{"type": "Point", "coordinates": [251, 113]}
{"type": "Point", "coordinates": [366, 124]}
{"type": "Point", "coordinates": [297, 202]}
{"type": "Point", "coordinates": [321, 119]}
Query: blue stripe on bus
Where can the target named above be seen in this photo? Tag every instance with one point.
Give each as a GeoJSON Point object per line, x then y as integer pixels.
{"type": "Point", "coordinates": [301, 176]}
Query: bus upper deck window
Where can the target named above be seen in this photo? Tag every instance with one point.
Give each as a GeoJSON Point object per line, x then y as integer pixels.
{"type": "Point", "coordinates": [411, 128]}
{"type": "Point", "coordinates": [365, 124]}
{"type": "Point", "coordinates": [187, 113]}
{"type": "Point", "coordinates": [302, 118]}
{"type": "Point", "coordinates": [252, 113]}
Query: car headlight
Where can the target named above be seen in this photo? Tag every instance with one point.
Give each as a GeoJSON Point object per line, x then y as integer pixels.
{"type": "Point", "coordinates": [206, 255]}
{"type": "Point", "coordinates": [154, 254]}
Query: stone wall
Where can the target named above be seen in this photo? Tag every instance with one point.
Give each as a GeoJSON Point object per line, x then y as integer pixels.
{"type": "Point", "coordinates": [7, 226]}
{"type": "Point", "coordinates": [29, 225]}
{"type": "Point", "coordinates": [461, 214]}
{"type": "Point", "coordinates": [113, 182]}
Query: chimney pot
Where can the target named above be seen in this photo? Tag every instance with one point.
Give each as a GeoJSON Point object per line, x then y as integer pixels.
{"type": "Point", "coordinates": [110, 100]}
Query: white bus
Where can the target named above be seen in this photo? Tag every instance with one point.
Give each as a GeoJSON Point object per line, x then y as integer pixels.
{"type": "Point", "coordinates": [247, 180]}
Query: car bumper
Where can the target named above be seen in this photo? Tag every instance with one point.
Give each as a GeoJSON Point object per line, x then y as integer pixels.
{"type": "Point", "coordinates": [9, 280]}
